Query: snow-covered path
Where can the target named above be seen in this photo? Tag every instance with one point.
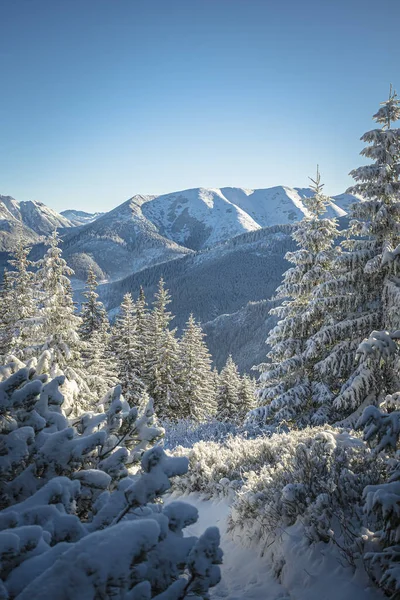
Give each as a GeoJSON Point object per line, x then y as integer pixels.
{"type": "Point", "coordinates": [310, 573]}
{"type": "Point", "coordinates": [245, 575]}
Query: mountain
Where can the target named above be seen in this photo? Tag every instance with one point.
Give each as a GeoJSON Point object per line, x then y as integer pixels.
{"type": "Point", "coordinates": [215, 281]}
{"type": "Point", "coordinates": [118, 243]}
{"type": "Point", "coordinates": [27, 219]}
{"type": "Point", "coordinates": [277, 205]}
{"type": "Point", "coordinates": [197, 218]}
{"type": "Point", "coordinates": [80, 217]}
{"type": "Point", "coordinates": [202, 217]}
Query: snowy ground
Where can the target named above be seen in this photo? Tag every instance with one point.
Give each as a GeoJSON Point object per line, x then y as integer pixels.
{"type": "Point", "coordinates": [310, 573]}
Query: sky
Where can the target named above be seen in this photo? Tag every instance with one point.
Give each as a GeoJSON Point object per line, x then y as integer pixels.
{"type": "Point", "coordinates": [104, 99]}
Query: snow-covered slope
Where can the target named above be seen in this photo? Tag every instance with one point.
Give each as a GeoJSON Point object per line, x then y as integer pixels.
{"type": "Point", "coordinates": [28, 219]}
{"type": "Point", "coordinates": [80, 217]}
{"type": "Point", "coordinates": [198, 218]}
{"type": "Point", "coordinates": [201, 217]}
{"type": "Point", "coordinates": [275, 206]}
{"type": "Point", "coordinates": [120, 242]}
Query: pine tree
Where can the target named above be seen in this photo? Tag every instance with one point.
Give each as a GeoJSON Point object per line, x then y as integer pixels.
{"type": "Point", "coordinates": [20, 306]}
{"type": "Point", "coordinates": [364, 294]}
{"type": "Point", "coordinates": [142, 332]}
{"type": "Point", "coordinates": [247, 395]}
{"type": "Point", "coordinates": [198, 398]}
{"type": "Point", "coordinates": [93, 314]}
{"type": "Point", "coordinates": [162, 357]}
{"type": "Point", "coordinates": [229, 404]}
{"type": "Point", "coordinates": [125, 345]}
{"type": "Point", "coordinates": [6, 315]}
{"type": "Point", "coordinates": [59, 324]}
{"type": "Point", "coordinates": [290, 389]}
{"type": "Point", "coordinates": [99, 363]}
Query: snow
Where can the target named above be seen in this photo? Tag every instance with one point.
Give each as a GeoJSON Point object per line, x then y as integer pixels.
{"type": "Point", "coordinates": [309, 573]}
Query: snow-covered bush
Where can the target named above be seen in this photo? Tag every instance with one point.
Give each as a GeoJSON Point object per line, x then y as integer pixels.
{"type": "Point", "coordinates": [187, 432]}
{"type": "Point", "coordinates": [319, 478]}
{"type": "Point", "coordinates": [316, 475]}
{"type": "Point", "coordinates": [76, 521]}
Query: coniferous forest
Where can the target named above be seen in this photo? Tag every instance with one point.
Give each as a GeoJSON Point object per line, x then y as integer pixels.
{"type": "Point", "coordinates": [117, 432]}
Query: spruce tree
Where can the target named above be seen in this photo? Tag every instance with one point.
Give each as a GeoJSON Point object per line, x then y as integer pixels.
{"type": "Point", "coordinates": [125, 346]}
{"type": "Point", "coordinates": [290, 389]}
{"type": "Point", "coordinates": [247, 395]}
{"type": "Point", "coordinates": [99, 363]}
{"type": "Point", "coordinates": [20, 303]}
{"type": "Point", "coordinates": [142, 332]}
{"type": "Point", "coordinates": [59, 328]}
{"type": "Point", "coordinates": [6, 315]}
{"type": "Point", "coordinates": [198, 398]}
{"type": "Point", "coordinates": [162, 360]}
{"type": "Point", "coordinates": [93, 314]}
{"type": "Point", "coordinates": [364, 294]}
{"type": "Point", "coordinates": [228, 399]}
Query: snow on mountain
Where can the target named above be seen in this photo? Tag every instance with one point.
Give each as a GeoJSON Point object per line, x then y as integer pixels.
{"type": "Point", "coordinates": [275, 206]}
{"type": "Point", "coordinates": [198, 218]}
{"type": "Point", "coordinates": [26, 219]}
{"type": "Point", "coordinates": [80, 217]}
{"type": "Point", "coordinates": [120, 242]}
{"type": "Point", "coordinates": [344, 201]}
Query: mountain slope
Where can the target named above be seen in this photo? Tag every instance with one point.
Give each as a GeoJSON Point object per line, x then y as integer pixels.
{"type": "Point", "coordinates": [29, 220]}
{"type": "Point", "coordinates": [277, 205]}
{"type": "Point", "coordinates": [200, 218]}
{"type": "Point", "coordinates": [120, 242]}
{"type": "Point", "coordinates": [219, 280]}
{"type": "Point", "coordinates": [80, 217]}
{"type": "Point", "coordinates": [197, 218]}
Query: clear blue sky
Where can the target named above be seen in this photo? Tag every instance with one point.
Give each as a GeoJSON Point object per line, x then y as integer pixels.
{"type": "Point", "coordinates": [102, 99]}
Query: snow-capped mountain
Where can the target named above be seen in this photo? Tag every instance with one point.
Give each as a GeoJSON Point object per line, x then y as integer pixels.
{"type": "Point", "coordinates": [198, 218]}
{"type": "Point", "coordinates": [27, 219]}
{"type": "Point", "coordinates": [80, 217]}
{"type": "Point", "coordinates": [277, 205]}
{"type": "Point", "coordinates": [118, 243]}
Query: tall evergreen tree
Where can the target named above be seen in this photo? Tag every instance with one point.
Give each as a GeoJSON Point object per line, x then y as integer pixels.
{"type": "Point", "coordinates": [247, 395]}
{"type": "Point", "coordinates": [125, 346]}
{"type": "Point", "coordinates": [163, 357]}
{"type": "Point", "coordinates": [99, 362]}
{"type": "Point", "coordinates": [228, 399]}
{"type": "Point", "coordinates": [59, 330]}
{"type": "Point", "coordinates": [6, 315]}
{"type": "Point", "coordinates": [198, 398]}
{"type": "Point", "coordinates": [142, 332]}
{"type": "Point", "coordinates": [93, 314]}
{"type": "Point", "coordinates": [290, 389]}
{"type": "Point", "coordinates": [20, 304]}
{"type": "Point", "coordinates": [364, 294]}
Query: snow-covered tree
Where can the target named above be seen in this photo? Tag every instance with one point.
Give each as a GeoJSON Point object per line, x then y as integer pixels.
{"type": "Point", "coordinates": [126, 347]}
{"type": "Point", "coordinates": [364, 293]}
{"type": "Point", "coordinates": [74, 522]}
{"type": "Point", "coordinates": [19, 304]}
{"type": "Point", "coordinates": [6, 315]}
{"type": "Point", "coordinates": [59, 329]}
{"type": "Point", "coordinates": [290, 389]}
{"type": "Point", "coordinates": [142, 332]}
{"type": "Point", "coordinates": [99, 363]}
{"type": "Point", "coordinates": [228, 398]}
{"type": "Point", "coordinates": [93, 314]}
{"type": "Point", "coordinates": [382, 502]}
{"type": "Point", "coordinates": [198, 398]}
{"type": "Point", "coordinates": [247, 395]}
{"type": "Point", "coordinates": [162, 361]}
